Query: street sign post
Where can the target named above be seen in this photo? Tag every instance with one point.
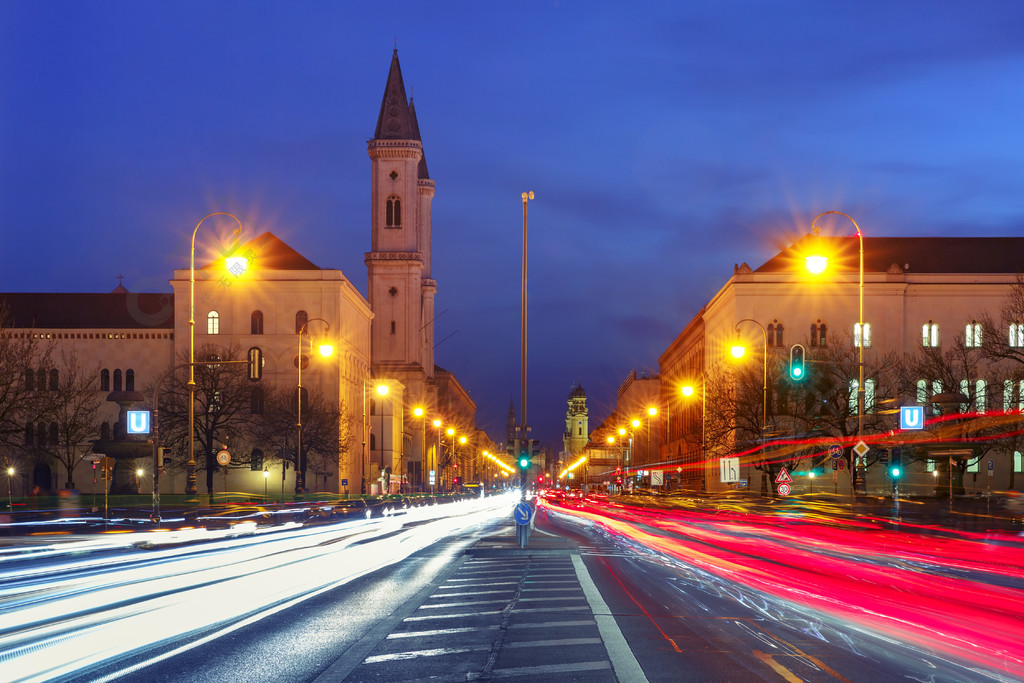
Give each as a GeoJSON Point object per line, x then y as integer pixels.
{"type": "Point", "coordinates": [730, 470]}
{"type": "Point", "coordinates": [523, 514]}
{"type": "Point", "coordinates": [835, 451]}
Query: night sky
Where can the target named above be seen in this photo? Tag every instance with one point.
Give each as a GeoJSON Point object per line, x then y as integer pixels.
{"type": "Point", "coordinates": [665, 143]}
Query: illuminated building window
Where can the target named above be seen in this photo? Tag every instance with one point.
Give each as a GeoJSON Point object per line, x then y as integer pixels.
{"type": "Point", "coordinates": [213, 322]}
{"type": "Point", "coordinates": [922, 391]}
{"type": "Point", "coordinates": [857, 335]}
{"type": "Point", "coordinates": [974, 466]}
{"type": "Point", "coordinates": [929, 466]}
{"type": "Point", "coordinates": [1017, 335]}
{"type": "Point", "coordinates": [930, 334]}
{"type": "Point", "coordinates": [818, 334]}
{"type": "Point", "coordinates": [869, 396]}
{"type": "Point", "coordinates": [774, 334]}
{"type": "Point", "coordinates": [1013, 395]}
{"type": "Point", "coordinates": [972, 335]}
{"type": "Point", "coordinates": [1018, 462]}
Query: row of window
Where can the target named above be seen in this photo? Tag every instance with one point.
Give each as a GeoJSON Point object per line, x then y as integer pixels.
{"type": "Point", "coordinates": [36, 380]}
{"type": "Point", "coordinates": [88, 335]}
{"type": "Point", "coordinates": [1013, 393]}
{"type": "Point", "coordinates": [255, 322]}
{"type": "Point", "coordinates": [929, 334]}
{"type": "Point", "coordinates": [129, 380]}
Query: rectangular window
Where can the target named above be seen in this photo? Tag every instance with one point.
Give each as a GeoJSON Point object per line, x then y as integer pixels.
{"type": "Point", "coordinates": [857, 335]}
{"type": "Point", "coordinates": [972, 335]}
{"type": "Point", "coordinates": [1018, 461]}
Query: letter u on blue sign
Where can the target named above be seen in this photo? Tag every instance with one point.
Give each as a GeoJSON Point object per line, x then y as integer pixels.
{"type": "Point", "coordinates": [911, 417]}
{"type": "Point", "coordinates": [138, 422]}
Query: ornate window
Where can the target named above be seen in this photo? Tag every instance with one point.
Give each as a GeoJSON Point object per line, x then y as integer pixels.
{"type": "Point", "coordinates": [393, 213]}
{"type": "Point", "coordinates": [857, 335]}
{"type": "Point", "coordinates": [1016, 335]}
{"type": "Point", "coordinates": [213, 322]}
{"type": "Point", "coordinates": [930, 334]}
{"type": "Point", "coordinates": [972, 335]}
{"type": "Point", "coordinates": [869, 396]}
{"type": "Point", "coordinates": [256, 324]}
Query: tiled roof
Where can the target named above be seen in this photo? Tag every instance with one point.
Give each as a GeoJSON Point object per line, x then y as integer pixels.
{"type": "Point", "coordinates": [268, 252]}
{"type": "Point", "coordinates": [912, 254]}
{"type": "Point", "coordinates": [117, 310]}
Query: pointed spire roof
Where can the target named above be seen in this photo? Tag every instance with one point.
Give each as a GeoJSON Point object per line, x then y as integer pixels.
{"type": "Point", "coordinates": [396, 120]}
{"type": "Point", "coordinates": [422, 174]}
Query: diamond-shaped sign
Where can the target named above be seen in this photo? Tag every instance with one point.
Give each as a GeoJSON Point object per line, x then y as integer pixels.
{"type": "Point", "coordinates": [861, 449]}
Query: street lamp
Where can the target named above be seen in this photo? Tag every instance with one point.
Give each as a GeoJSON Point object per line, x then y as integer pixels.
{"type": "Point", "coordinates": [10, 496]}
{"type": "Point", "coordinates": [266, 478]}
{"type": "Point", "coordinates": [326, 350]}
{"type": "Point", "coordinates": [651, 412]}
{"type": "Point", "coordinates": [687, 391]}
{"type": "Point", "coordinates": [524, 431]}
{"type": "Point", "coordinates": [817, 264]}
{"type": "Point", "coordinates": [382, 391]}
{"type": "Point", "coordinates": [738, 352]}
{"type": "Point", "coordinates": [437, 455]}
{"type": "Point", "coordinates": [138, 480]}
{"type": "Point", "coordinates": [190, 466]}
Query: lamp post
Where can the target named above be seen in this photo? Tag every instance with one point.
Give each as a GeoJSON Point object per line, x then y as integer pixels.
{"type": "Point", "coordinates": [817, 264]}
{"type": "Point", "coordinates": [437, 455]}
{"type": "Point", "coordinates": [10, 495]}
{"type": "Point", "coordinates": [266, 478]}
{"type": "Point", "coordinates": [325, 350]}
{"type": "Point", "coordinates": [651, 413]}
{"type": "Point", "coordinates": [737, 352]}
{"type": "Point", "coordinates": [382, 390]}
{"type": "Point", "coordinates": [687, 391]}
{"type": "Point", "coordinates": [524, 432]}
{"type": "Point", "coordinates": [190, 466]}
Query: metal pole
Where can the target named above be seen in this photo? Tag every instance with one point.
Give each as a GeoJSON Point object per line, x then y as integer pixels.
{"type": "Point", "coordinates": [299, 479]}
{"type": "Point", "coordinates": [190, 466]}
{"type": "Point", "coordinates": [522, 399]}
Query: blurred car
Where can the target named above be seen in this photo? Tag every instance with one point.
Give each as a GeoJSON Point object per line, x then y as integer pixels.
{"type": "Point", "coordinates": [227, 518]}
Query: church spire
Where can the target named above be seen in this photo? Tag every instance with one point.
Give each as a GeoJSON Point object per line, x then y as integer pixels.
{"type": "Point", "coordinates": [396, 120]}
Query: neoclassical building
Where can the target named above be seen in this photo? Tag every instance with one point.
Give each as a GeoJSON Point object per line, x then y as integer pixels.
{"type": "Point", "coordinates": [280, 301]}
{"type": "Point", "coordinates": [918, 292]}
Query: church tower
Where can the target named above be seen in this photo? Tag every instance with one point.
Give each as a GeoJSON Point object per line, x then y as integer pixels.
{"type": "Point", "coordinates": [401, 289]}
{"type": "Point", "coordinates": [577, 431]}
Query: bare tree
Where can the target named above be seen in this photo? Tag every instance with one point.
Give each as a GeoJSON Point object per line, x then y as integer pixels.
{"type": "Point", "coordinates": [73, 406]}
{"type": "Point", "coordinates": [22, 357]}
{"type": "Point", "coordinates": [223, 411]}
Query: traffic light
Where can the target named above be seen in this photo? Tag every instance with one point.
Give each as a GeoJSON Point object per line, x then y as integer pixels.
{"type": "Point", "coordinates": [796, 362]}
{"type": "Point", "coordinates": [895, 464]}
{"type": "Point", "coordinates": [255, 363]}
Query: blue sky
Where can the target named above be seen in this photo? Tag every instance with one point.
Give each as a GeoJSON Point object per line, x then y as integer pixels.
{"type": "Point", "coordinates": [665, 142]}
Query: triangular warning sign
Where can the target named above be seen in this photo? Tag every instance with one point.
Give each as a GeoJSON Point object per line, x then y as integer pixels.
{"type": "Point", "coordinates": [783, 477]}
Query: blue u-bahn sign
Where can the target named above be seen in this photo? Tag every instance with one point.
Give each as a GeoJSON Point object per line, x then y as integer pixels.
{"type": "Point", "coordinates": [911, 417]}
{"type": "Point", "coordinates": [138, 422]}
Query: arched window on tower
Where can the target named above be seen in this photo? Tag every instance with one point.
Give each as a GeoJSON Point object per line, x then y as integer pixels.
{"type": "Point", "coordinates": [393, 213]}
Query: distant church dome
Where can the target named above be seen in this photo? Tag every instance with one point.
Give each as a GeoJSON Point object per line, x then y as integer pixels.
{"type": "Point", "coordinates": [578, 392]}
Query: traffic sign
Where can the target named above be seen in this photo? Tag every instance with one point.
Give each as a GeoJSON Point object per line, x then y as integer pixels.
{"type": "Point", "coordinates": [523, 512]}
{"type": "Point", "coordinates": [835, 451]}
{"type": "Point", "coordinates": [730, 470]}
{"type": "Point", "coordinates": [783, 489]}
{"type": "Point", "coordinates": [911, 417]}
{"type": "Point", "coordinates": [783, 477]}
{"type": "Point", "coordinates": [138, 421]}
{"type": "Point", "coordinates": [861, 449]}
{"type": "Point", "coordinates": [223, 457]}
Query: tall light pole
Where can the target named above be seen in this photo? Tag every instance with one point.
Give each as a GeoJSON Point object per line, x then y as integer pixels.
{"type": "Point", "coordinates": [382, 391]}
{"type": "Point", "coordinates": [325, 350]}
{"type": "Point", "coordinates": [190, 466]}
{"type": "Point", "coordinates": [687, 391]}
{"type": "Point", "coordinates": [857, 472]}
{"type": "Point", "coordinates": [737, 352]}
{"type": "Point", "coordinates": [437, 457]}
{"type": "Point", "coordinates": [524, 432]}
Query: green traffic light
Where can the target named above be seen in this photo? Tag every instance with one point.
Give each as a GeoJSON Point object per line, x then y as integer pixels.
{"type": "Point", "coordinates": [524, 462]}
{"type": "Point", "coordinates": [895, 472]}
{"type": "Point", "coordinates": [797, 372]}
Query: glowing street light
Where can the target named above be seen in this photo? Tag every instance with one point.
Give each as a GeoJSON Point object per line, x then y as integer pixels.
{"type": "Point", "coordinates": [738, 352]}
{"type": "Point", "coordinates": [325, 349]}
